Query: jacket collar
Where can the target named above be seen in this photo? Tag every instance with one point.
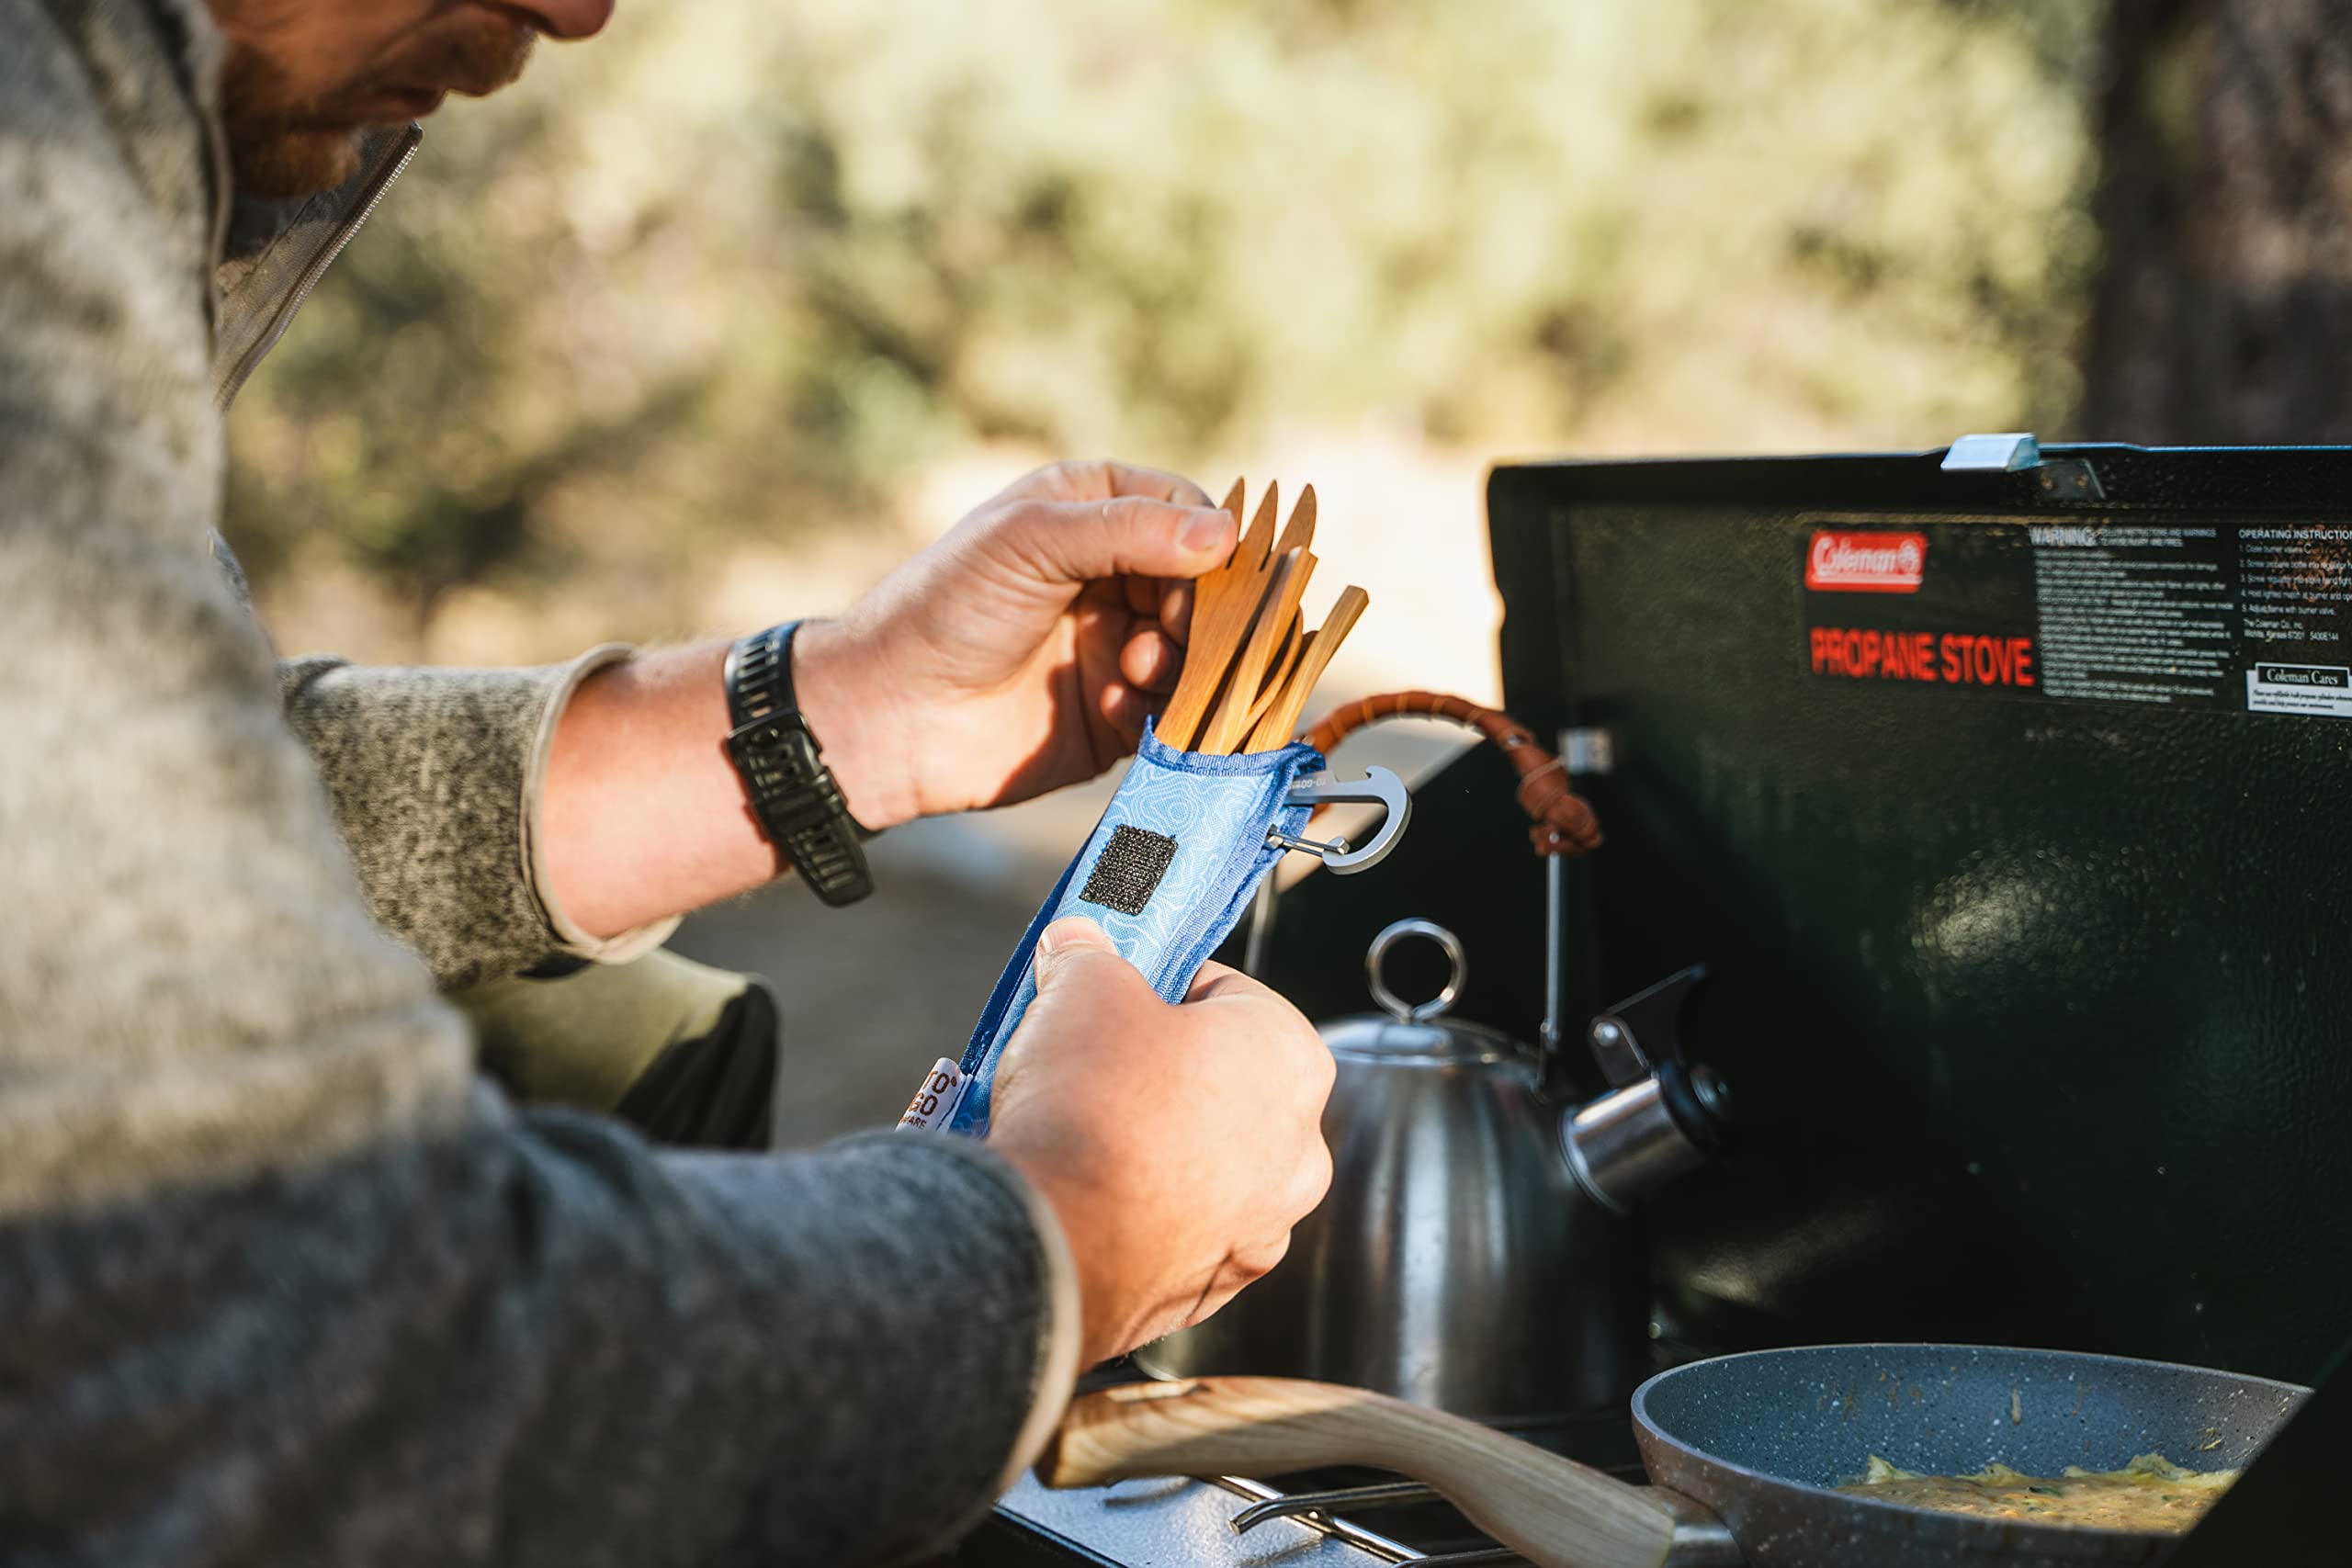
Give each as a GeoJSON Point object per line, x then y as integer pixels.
{"type": "Point", "coordinates": [265, 257]}
{"type": "Point", "coordinates": [273, 254]}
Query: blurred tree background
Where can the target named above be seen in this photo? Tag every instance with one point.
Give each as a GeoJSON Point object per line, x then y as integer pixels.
{"type": "Point", "coordinates": [717, 300]}
{"type": "Point", "coordinates": [2224, 304]}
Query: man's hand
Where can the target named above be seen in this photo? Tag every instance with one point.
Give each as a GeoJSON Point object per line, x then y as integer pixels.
{"type": "Point", "coordinates": [1019, 653]}
{"type": "Point", "coordinates": [1177, 1144]}
{"type": "Point", "coordinates": [1022, 651]}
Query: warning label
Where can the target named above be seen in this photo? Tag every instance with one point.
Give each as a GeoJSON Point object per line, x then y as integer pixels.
{"type": "Point", "coordinates": [2221, 615]}
{"type": "Point", "coordinates": [2135, 614]}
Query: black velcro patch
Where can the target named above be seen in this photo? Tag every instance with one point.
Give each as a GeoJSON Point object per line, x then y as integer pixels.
{"type": "Point", "coordinates": [1132, 865]}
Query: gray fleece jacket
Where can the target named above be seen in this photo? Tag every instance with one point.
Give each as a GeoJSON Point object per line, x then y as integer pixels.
{"type": "Point", "coordinates": [280, 1280]}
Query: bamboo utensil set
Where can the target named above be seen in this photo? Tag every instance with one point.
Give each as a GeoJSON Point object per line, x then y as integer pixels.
{"type": "Point", "coordinates": [1248, 672]}
{"type": "Point", "coordinates": [1250, 664]}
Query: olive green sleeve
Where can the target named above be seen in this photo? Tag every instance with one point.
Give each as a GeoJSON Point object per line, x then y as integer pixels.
{"type": "Point", "coordinates": [686, 1052]}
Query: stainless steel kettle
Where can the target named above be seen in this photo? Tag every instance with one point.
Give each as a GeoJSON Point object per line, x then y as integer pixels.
{"type": "Point", "coordinates": [1474, 1253]}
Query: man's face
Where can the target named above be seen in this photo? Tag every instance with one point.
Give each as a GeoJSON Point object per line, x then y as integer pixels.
{"type": "Point", "coordinates": [305, 76]}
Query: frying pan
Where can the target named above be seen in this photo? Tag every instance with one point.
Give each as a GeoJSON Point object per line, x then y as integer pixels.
{"type": "Point", "coordinates": [1743, 1450]}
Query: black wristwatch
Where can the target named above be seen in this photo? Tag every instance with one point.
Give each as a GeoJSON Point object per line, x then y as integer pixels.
{"type": "Point", "coordinates": [793, 796]}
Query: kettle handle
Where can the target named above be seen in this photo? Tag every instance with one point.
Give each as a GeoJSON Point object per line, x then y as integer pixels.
{"type": "Point", "coordinates": [1394, 1005]}
{"type": "Point", "coordinates": [1563, 822]}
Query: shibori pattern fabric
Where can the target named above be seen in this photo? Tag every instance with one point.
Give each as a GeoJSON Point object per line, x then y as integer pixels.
{"type": "Point", "coordinates": [1166, 873]}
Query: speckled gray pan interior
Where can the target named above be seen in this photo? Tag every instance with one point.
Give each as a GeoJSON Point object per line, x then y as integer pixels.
{"type": "Point", "coordinates": [1760, 1438]}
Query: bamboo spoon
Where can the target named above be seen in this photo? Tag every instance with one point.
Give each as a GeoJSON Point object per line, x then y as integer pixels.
{"type": "Point", "coordinates": [1223, 602]}
{"type": "Point", "coordinates": [1281, 718]}
{"type": "Point", "coordinates": [1552, 1511]}
{"type": "Point", "coordinates": [1228, 727]}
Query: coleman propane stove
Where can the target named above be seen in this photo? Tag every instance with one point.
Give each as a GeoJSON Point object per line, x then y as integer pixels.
{"type": "Point", "coordinates": [2004, 795]}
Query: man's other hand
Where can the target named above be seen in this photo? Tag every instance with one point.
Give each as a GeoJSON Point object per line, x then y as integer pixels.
{"type": "Point", "coordinates": [1020, 652]}
{"type": "Point", "coordinates": [1177, 1144]}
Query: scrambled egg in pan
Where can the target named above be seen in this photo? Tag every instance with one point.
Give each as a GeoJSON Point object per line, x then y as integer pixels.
{"type": "Point", "coordinates": [2149, 1494]}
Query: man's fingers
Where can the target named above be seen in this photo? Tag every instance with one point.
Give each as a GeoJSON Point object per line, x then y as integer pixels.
{"type": "Point", "coordinates": [1151, 660]}
{"type": "Point", "coordinates": [1124, 709]}
{"type": "Point", "coordinates": [1242, 1267]}
{"type": "Point", "coordinates": [1073, 945]}
{"type": "Point", "coordinates": [1176, 611]}
{"type": "Point", "coordinates": [1257, 1262]}
{"type": "Point", "coordinates": [1314, 1178]}
{"type": "Point", "coordinates": [1106, 480]}
{"type": "Point", "coordinates": [1217, 980]}
{"type": "Point", "coordinates": [1084, 541]}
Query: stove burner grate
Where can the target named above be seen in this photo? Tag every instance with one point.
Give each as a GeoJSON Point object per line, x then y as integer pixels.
{"type": "Point", "coordinates": [1430, 1532]}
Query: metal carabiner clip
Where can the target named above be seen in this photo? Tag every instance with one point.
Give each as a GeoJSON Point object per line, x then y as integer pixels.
{"type": "Point", "coordinates": [1378, 786]}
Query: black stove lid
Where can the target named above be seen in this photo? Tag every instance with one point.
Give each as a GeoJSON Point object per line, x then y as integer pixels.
{"type": "Point", "coordinates": [2012, 813]}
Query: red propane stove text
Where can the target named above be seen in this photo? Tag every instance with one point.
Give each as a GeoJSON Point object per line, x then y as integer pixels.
{"type": "Point", "coordinates": [1952, 659]}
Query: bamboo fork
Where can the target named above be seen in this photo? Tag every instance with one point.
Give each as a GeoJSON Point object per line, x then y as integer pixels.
{"type": "Point", "coordinates": [1300, 533]}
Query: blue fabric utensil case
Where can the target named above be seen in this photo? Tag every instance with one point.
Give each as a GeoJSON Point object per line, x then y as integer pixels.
{"type": "Point", "coordinates": [1166, 873]}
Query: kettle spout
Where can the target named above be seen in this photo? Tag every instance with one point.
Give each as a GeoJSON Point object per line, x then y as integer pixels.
{"type": "Point", "coordinates": [1637, 1138]}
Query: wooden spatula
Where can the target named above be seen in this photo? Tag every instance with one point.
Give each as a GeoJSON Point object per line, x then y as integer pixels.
{"type": "Point", "coordinates": [1280, 716]}
{"type": "Point", "coordinates": [1552, 1511]}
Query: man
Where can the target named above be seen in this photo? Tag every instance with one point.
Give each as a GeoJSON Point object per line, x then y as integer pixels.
{"type": "Point", "coordinates": [281, 1280]}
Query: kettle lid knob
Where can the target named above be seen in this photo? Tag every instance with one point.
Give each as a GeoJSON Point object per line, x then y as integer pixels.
{"type": "Point", "coordinates": [1395, 1006]}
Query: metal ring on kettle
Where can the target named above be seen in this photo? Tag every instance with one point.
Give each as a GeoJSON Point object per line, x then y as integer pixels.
{"type": "Point", "coordinates": [1394, 1005]}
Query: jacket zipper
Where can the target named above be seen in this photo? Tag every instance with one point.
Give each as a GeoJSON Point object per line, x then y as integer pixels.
{"type": "Point", "coordinates": [387, 172]}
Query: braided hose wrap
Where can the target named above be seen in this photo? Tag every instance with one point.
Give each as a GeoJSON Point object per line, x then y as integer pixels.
{"type": "Point", "coordinates": [1562, 822]}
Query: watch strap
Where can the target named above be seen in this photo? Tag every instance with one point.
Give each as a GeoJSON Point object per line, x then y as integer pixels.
{"type": "Point", "coordinates": [793, 795]}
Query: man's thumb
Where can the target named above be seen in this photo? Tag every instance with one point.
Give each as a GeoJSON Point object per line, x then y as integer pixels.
{"type": "Point", "coordinates": [1066, 945]}
{"type": "Point", "coordinates": [1135, 534]}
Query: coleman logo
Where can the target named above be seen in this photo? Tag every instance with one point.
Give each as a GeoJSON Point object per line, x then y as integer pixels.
{"type": "Point", "coordinates": [1865, 563]}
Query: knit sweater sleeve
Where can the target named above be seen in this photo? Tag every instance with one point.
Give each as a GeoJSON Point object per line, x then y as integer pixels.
{"type": "Point", "coordinates": [537, 1344]}
{"type": "Point", "coordinates": [435, 778]}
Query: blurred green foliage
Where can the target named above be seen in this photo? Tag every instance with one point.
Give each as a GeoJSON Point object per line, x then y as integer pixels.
{"type": "Point", "coordinates": [741, 268]}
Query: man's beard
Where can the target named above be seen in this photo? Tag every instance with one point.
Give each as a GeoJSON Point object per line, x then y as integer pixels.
{"type": "Point", "coordinates": [281, 146]}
